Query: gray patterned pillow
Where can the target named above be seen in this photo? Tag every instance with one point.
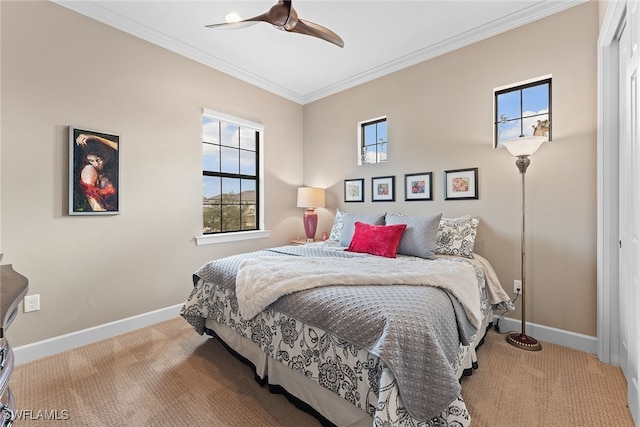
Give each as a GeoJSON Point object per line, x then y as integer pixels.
{"type": "Point", "coordinates": [457, 236]}
{"type": "Point", "coordinates": [349, 224]}
{"type": "Point", "coordinates": [338, 223]}
{"type": "Point", "coordinates": [419, 238]}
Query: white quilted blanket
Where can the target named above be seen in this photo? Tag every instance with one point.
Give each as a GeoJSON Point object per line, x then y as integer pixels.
{"type": "Point", "coordinates": [261, 281]}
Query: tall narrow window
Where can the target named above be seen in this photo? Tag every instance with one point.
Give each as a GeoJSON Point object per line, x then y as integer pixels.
{"type": "Point", "coordinates": [372, 141]}
{"type": "Point", "coordinates": [523, 110]}
{"type": "Point", "coordinates": [230, 174]}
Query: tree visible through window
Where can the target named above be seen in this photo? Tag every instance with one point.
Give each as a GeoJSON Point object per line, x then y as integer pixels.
{"type": "Point", "coordinates": [229, 176]}
{"type": "Point", "coordinates": [522, 111]}
{"type": "Point", "coordinates": [373, 141]}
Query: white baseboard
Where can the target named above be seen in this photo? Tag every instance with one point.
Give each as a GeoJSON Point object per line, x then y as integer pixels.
{"type": "Point", "coordinates": [51, 346]}
{"type": "Point", "coordinates": [551, 335]}
{"type": "Point", "coordinates": [37, 350]}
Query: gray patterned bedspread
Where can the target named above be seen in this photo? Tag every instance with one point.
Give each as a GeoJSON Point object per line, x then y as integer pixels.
{"type": "Point", "coordinates": [416, 330]}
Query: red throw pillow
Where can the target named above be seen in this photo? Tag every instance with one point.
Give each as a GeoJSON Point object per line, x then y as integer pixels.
{"type": "Point", "coordinates": [381, 240]}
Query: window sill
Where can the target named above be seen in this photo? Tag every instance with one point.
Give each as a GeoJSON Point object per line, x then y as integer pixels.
{"type": "Point", "coordinates": [211, 239]}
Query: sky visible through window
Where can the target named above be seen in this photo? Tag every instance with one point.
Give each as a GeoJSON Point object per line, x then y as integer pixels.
{"type": "Point", "coordinates": [519, 110]}
{"type": "Point", "coordinates": [230, 149]}
{"type": "Point", "coordinates": [374, 141]}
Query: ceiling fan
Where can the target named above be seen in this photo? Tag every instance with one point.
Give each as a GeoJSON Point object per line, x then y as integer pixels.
{"type": "Point", "coordinates": [284, 17]}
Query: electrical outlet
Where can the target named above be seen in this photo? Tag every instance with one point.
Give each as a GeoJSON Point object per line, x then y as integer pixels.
{"type": "Point", "coordinates": [517, 286]}
{"type": "Point", "coordinates": [31, 303]}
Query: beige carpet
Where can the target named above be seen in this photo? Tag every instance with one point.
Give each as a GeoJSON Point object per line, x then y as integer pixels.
{"type": "Point", "coordinates": [553, 387]}
{"type": "Point", "coordinates": [167, 375]}
{"type": "Point", "coordinates": [164, 375]}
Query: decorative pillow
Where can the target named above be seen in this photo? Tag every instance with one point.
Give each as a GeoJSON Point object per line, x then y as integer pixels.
{"type": "Point", "coordinates": [419, 239]}
{"type": "Point", "coordinates": [457, 236]}
{"type": "Point", "coordinates": [349, 221]}
{"type": "Point", "coordinates": [381, 240]}
{"type": "Point", "coordinates": [338, 222]}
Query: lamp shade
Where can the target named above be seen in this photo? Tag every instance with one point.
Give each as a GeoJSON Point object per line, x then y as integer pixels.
{"type": "Point", "coordinates": [310, 197]}
{"type": "Point", "coordinates": [524, 146]}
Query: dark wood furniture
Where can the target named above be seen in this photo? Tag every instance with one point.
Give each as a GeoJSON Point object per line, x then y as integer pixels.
{"type": "Point", "coordinates": [13, 287]}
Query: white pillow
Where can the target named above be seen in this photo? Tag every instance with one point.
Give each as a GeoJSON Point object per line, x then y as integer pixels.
{"type": "Point", "coordinates": [457, 236]}
{"type": "Point", "coordinates": [338, 222]}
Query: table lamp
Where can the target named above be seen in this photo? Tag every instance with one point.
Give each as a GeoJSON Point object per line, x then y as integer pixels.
{"type": "Point", "coordinates": [310, 198]}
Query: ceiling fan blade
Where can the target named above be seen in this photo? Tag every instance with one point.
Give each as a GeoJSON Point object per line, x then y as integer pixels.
{"type": "Point", "coordinates": [316, 30]}
{"type": "Point", "coordinates": [241, 24]}
{"type": "Point", "coordinates": [232, 25]}
{"type": "Point", "coordinates": [277, 16]}
{"type": "Point", "coordinates": [284, 17]}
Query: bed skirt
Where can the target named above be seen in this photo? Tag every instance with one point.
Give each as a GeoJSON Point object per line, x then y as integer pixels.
{"type": "Point", "coordinates": [333, 408]}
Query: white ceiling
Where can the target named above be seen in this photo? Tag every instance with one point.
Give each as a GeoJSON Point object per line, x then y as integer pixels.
{"type": "Point", "coordinates": [380, 36]}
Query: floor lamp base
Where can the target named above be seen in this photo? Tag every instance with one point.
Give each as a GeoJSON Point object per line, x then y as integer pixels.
{"type": "Point", "coordinates": [524, 342]}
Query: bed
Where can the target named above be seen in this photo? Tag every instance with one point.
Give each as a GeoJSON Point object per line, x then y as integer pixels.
{"type": "Point", "coordinates": [375, 326]}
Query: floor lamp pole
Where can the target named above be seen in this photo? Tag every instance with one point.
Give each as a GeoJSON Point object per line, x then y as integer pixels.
{"type": "Point", "coordinates": [521, 340]}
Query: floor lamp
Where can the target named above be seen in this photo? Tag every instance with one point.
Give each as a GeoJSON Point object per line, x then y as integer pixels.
{"type": "Point", "coordinates": [310, 198]}
{"type": "Point", "coordinates": [522, 148]}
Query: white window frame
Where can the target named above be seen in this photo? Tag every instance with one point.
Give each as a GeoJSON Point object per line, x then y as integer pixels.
{"type": "Point", "coordinates": [234, 236]}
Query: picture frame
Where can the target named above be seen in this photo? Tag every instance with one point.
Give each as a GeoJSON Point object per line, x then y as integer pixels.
{"type": "Point", "coordinates": [382, 189]}
{"type": "Point", "coordinates": [461, 184]}
{"type": "Point", "coordinates": [94, 172]}
{"type": "Point", "coordinates": [418, 186]}
{"type": "Point", "coordinates": [354, 190]}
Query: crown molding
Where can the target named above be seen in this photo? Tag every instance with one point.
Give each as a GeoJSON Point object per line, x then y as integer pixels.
{"type": "Point", "coordinates": [525, 16]}
{"type": "Point", "coordinates": [106, 16]}
{"type": "Point", "coordinates": [533, 13]}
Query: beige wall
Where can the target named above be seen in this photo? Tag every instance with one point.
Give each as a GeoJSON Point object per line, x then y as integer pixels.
{"type": "Point", "coordinates": [440, 116]}
{"type": "Point", "coordinates": [602, 10]}
{"type": "Point", "coordinates": [0, 137]}
{"type": "Point", "coordinates": [59, 69]}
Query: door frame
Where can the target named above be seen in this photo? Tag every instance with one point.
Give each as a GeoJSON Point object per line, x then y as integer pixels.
{"type": "Point", "coordinates": [607, 185]}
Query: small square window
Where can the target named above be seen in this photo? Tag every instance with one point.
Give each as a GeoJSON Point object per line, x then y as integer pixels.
{"type": "Point", "coordinates": [522, 110]}
{"type": "Point", "coordinates": [372, 141]}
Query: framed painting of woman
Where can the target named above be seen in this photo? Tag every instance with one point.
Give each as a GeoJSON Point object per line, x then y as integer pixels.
{"type": "Point", "coordinates": [93, 172]}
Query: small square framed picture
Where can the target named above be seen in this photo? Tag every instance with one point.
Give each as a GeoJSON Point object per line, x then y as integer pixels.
{"type": "Point", "coordinates": [418, 186]}
{"type": "Point", "coordinates": [382, 189]}
{"type": "Point", "coordinates": [461, 184]}
{"type": "Point", "coordinates": [354, 190]}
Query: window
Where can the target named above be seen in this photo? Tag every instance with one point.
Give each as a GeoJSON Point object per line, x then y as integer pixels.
{"type": "Point", "coordinates": [230, 174]}
{"type": "Point", "coordinates": [372, 141]}
{"type": "Point", "coordinates": [522, 110]}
